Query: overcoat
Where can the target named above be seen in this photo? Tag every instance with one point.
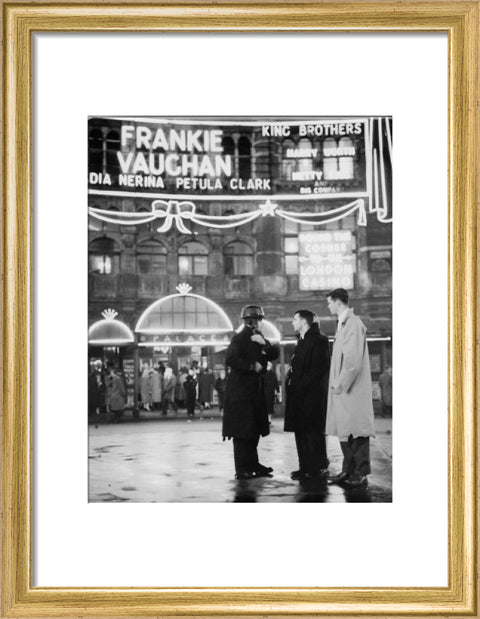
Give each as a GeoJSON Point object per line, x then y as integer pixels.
{"type": "Point", "coordinates": [116, 393]}
{"type": "Point", "coordinates": [307, 383]}
{"type": "Point", "coordinates": [190, 387]}
{"type": "Point", "coordinates": [351, 411]}
{"type": "Point", "coordinates": [271, 389]}
{"type": "Point", "coordinates": [156, 385]}
{"type": "Point", "coordinates": [386, 387]}
{"type": "Point", "coordinates": [168, 387]}
{"type": "Point", "coordinates": [245, 410]}
{"type": "Point", "coordinates": [146, 387]}
{"type": "Point", "coordinates": [205, 387]}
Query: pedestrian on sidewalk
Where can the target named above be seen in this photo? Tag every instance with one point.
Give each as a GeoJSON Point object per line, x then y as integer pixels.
{"type": "Point", "coordinates": [386, 389]}
{"type": "Point", "coordinates": [350, 406]}
{"type": "Point", "coordinates": [190, 387]}
{"type": "Point", "coordinates": [168, 391]}
{"type": "Point", "coordinates": [116, 394]}
{"type": "Point", "coordinates": [156, 387]}
{"type": "Point", "coordinates": [307, 394]}
{"type": "Point", "coordinates": [220, 384]}
{"type": "Point", "coordinates": [245, 416]}
{"type": "Point", "coordinates": [146, 386]}
{"type": "Point", "coordinates": [206, 382]}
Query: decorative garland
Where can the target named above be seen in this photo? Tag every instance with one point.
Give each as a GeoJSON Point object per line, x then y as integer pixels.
{"type": "Point", "coordinates": [173, 211]}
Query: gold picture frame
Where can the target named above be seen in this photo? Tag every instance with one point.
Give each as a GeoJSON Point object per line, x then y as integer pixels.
{"type": "Point", "coordinates": [460, 20]}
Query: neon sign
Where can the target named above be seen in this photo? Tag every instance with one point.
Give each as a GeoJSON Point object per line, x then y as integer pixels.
{"type": "Point", "coordinates": [326, 260]}
{"type": "Point", "coordinates": [165, 158]}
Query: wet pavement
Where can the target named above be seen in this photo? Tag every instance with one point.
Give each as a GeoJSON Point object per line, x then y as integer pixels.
{"type": "Point", "coordinates": [177, 459]}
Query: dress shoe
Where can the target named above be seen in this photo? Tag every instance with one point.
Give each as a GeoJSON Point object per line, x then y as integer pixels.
{"type": "Point", "coordinates": [356, 481]}
{"type": "Point", "coordinates": [321, 474]}
{"type": "Point", "coordinates": [263, 474]}
{"type": "Point", "coordinates": [297, 474]}
{"type": "Point", "coordinates": [246, 475]}
{"type": "Point", "coordinates": [263, 469]}
{"type": "Point", "coordinates": [339, 478]}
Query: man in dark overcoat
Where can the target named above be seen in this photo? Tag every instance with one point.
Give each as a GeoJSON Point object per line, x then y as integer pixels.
{"type": "Point", "coordinates": [245, 416]}
{"type": "Point", "coordinates": [307, 396]}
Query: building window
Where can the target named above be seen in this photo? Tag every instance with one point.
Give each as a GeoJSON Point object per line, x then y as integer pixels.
{"type": "Point", "coordinates": [113, 146]}
{"type": "Point", "coordinates": [95, 151]}
{"type": "Point", "coordinates": [290, 247]}
{"type": "Point", "coordinates": [151, 258]}
{"type": "Point", "coordinates": [192, 259]}
{"type": "Point", "coordinates": [103, 257]}
{"type": "Point", "coordinates": [238, 259]}
{"type": "Point", "coordinates": [244, 158]}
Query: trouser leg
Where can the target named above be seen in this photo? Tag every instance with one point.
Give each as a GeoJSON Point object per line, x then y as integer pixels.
{"type": "Point", "coordinates": [245, 454]}
{"type": "Point", "coordinates": [360, 447]}
{"type": "Point", "coordinates": [348, 465]}
{"type": "Point", "coordinates": [312, 451]}
{"type": "Point", "coordinates": [317, 451]}
{"type": "Point", "coordinates": [301, 451]}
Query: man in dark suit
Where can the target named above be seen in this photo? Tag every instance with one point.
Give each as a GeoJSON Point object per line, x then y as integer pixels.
{"type": "Point", "coordinates": [245, 416]}
{"type": "Point", "coordinates": [307, 394]}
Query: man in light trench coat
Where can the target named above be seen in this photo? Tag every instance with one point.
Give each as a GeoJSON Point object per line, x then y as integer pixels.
{"type": "Point", "coordinates": [350, 407]}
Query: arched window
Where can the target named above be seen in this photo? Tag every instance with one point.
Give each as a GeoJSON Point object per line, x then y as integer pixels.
{"type": "Point", "coordinates": [103, 256]}
{"type": "Point", "coordinates": [238, 259]}
{"type": "Point", "coordinates": [151, 258]}
{"type": "Point", "coordinates": [113, 146]}
{"type": "Point", "coordinates": [192, 259]}
{"type": "Point", "coordinates": [95, 151]}
{"type": "Point", "coordinates": [228, 146]}
{"type": "Point", "coordinates": [244, 158]}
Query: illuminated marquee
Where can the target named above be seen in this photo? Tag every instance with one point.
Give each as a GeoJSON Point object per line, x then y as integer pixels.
{"type": "Point", "coordinates": [194, 158]}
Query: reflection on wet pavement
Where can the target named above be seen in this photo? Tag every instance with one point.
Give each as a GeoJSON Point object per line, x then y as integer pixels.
{"type": "Point", "coordinates": [170, 461]}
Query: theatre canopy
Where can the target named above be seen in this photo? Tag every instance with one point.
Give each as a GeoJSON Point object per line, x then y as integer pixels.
{"type": "Point", "coordinates": [183, 319]}
{"type": "Point", "coordinates": [109, 331]}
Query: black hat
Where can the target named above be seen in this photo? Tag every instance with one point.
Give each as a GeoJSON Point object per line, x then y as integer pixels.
{"type": "Point", "coordinates": [253, 311]}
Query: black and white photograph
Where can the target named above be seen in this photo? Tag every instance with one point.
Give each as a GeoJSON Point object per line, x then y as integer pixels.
{"type": "Point", "coordinates": [240, 309]}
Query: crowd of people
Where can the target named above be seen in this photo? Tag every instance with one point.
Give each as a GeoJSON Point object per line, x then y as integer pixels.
{"type": "Point", "coordinates": [193, 388]}
{"type": "Point", "coordinates": [160, 389]}
{"type": "Point", "coordinates": [326, 394]}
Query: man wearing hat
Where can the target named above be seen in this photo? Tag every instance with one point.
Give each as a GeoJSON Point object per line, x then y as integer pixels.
{"type": "Point", "coordinates": [245, 416]}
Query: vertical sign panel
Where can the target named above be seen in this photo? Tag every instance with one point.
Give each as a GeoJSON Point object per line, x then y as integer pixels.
{"type": "Point", "coordinates": [326, 260]}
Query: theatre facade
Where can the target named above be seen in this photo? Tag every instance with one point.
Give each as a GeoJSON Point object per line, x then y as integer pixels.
{"type": "Point", "coordinates": [192, 218]}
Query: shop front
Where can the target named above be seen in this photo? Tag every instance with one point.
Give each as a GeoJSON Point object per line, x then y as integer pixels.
{"type": "Point", "coordinates": [182, 330]}
{"type": "Point", "coordinates": [110, 342]}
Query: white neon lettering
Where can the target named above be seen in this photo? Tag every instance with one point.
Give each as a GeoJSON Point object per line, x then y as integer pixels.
{"type": "Point", "coordinates": [140, 164]}
{"type": "Point", "coordinates": [169, 165]}
{"type": "Point", "coordinates": [126, 133]}
{"type": "Point", "coordinates": [144, 135]}
{"type": "Point", "coordinates": [215, 141]}
{"type": "Point", "coordinates": [177, 139]}
{"type": "Point", "coordinates": [124, 163]}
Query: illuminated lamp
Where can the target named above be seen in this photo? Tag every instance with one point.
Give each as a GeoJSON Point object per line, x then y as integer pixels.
{"type": "Point", "coordinates": [184, 312]}
{"type": "Point", "coordinates": [268, 329]}
{"type": "Point", "coordinates": [109, 331]}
